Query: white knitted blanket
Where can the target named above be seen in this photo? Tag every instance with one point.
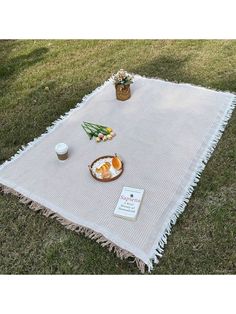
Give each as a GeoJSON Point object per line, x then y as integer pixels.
{"type": "Point", "coordinates": [166, 132]}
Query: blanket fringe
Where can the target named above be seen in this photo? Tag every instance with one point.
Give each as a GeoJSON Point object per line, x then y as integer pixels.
{"type": "Point", "coordinates": [121, 253]}
{"type": "Point", "coordinates": [98, 237]}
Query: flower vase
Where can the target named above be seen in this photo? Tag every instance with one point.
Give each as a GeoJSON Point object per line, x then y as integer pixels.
{"type": "Point", "coordinates": [123, 91]}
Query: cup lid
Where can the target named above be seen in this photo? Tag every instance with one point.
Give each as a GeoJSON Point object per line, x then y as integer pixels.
{"type": "Point", "coordinates": [61, 148]}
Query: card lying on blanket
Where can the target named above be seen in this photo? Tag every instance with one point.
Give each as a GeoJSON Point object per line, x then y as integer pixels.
{"type": "Point", "coordinates": [166, 132]}
{"type": "Point", "coordinates": [129, 203]}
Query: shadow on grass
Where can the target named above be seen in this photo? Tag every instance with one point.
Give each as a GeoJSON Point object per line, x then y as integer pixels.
{"type": "Point", "coordinates": [37, 111]}
{"type": "Point", "coordinates": [15, 65]}
{"type": "Point", "coordinates": [176, 68]}
{"type": "Point", "coordinates": [6, 46]}
{"type": "Point", "coordinates": [225, 84]}
{"type": "Point", "coordinates": [166, 67]}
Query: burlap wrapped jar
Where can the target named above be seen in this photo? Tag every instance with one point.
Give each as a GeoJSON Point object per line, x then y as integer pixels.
{"type": "Point", "coordinates": [122, 91]}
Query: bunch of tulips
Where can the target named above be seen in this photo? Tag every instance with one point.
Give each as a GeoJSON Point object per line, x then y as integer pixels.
{"type": "Point", "coordinates": [100, 132]}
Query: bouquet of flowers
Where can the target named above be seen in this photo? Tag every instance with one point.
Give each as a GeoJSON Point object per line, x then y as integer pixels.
{"type": "Point", "coordinates": [100, 132]}
{"type": "Point", "coordinates": [122, 78]}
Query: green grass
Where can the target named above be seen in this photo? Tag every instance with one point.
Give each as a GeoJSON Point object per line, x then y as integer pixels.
{"type": "Point", "coordinates": [204, 239]}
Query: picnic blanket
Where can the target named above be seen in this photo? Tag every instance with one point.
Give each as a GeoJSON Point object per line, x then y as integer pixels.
{"type": "Point", "coordinates": [166, 132]}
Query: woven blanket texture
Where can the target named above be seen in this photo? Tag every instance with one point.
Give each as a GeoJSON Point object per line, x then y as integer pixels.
{"type": "Point", "coordinates": [166, 132]}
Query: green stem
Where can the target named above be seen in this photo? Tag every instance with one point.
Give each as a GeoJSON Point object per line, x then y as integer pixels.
{"type": "Point", "coordinates": [96, 125]}
{"type": "Point", "coordinates": [103, 126]}
{"type": "Point", "coordinates": [93, 130]}
{"type": "Point", "coordinates": [88, 131]}
{"type": "Point", "coordinates": [97, 128]}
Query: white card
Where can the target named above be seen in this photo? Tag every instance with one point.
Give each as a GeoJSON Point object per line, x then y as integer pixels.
{"type": "Point", "coordinates": [129, 203]}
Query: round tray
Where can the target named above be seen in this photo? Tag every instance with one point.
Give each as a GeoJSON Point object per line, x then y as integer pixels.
{"type": "Point", "coordinates": [109, 179]}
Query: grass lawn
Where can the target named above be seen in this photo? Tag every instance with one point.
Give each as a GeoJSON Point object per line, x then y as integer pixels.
{"type": "Point", "coordinates": [41, 80]}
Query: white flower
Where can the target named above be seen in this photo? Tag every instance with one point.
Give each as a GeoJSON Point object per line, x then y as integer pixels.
{"type": "Point", "coordinates": [100, 135]}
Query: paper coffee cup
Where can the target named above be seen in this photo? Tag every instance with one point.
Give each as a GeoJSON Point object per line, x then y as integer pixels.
{"type": "Point", "coordinates": [62, 151]}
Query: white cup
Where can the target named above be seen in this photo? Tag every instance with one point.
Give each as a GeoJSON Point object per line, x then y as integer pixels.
{"type": "Point", "coordinates": [62, 151]}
